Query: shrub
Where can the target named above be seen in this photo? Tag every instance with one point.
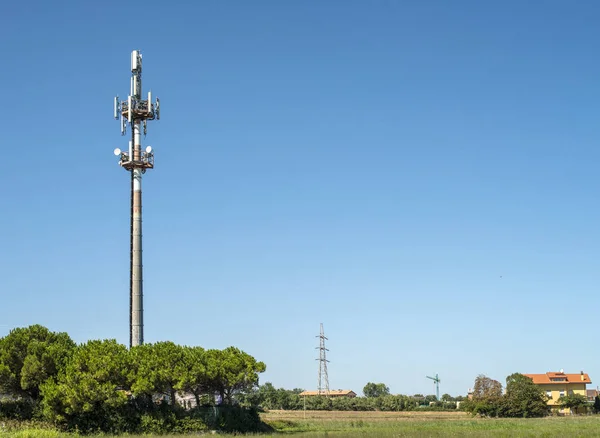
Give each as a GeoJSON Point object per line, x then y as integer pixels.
{"type": "Point", "coordinates": [236, 419]}
{"type": "Point", "coordinates": [157, 423]}
{"type": "Point", "coordinates": [17, 410]}
{"type": "Point", "coordinates": [189, 425]}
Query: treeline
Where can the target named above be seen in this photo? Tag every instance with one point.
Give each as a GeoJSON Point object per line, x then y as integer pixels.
{"type": "Point", "coordinates": [268, 397]}
{"type": "Point", "coordinates": [101, 386]}
{"type": "Point", "coordinates": [522, 398]}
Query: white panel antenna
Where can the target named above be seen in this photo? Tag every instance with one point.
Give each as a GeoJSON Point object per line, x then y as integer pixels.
{"type": "Point", "coordinates": [116, 108]}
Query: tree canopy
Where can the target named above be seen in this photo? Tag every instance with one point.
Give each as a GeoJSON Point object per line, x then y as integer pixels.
{"type": "Point", "coordinates": [158, 369]}
{"type": "Point", "coordinates": [596, 404]}
{"type": "Point", "coordinates": [375, 390]}
{"type": "Point", "coordinates": [30, 356]}
{"type": "Point", "coordinates": [267, 396]}
{"type": "Point", "coordinates": [92, 387]}
{"type": "Point", "coordinates": [486, 388]}
{"type": "Point", "coordinates": [194, 378]}
{"type": "Point", "coordinates": [575, 402]}
{"type": "Point", "coordinates": [231, 371]}
{"type": "Point", "coordinates": [102, 386]}
{"type": "Point", "coordinates": [523, 398]}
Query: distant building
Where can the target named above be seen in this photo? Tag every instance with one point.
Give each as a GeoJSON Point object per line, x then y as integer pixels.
{"type": "Point", "coordinates": [592, 394]}
{"type": "Point", "coordinates": [559, 384]}
{"type": "Point", "coordinates": [188, 401]}
{"type": "Point", "coordinates": [332, 393]}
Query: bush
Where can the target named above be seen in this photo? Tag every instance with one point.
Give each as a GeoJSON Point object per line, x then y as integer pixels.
{"type": "Point", "coordinates": [484, 406]}
{"type": "Point", "coordinates": [236, 419]}
{"type": "Point", "coordinates": [162, 419]}
{"type": "Point", "coordinates": [157, 423]}
{"type": "Point", "coordinates": [17, 410]}
{"type": "Point", "coordinates": [189, 425]}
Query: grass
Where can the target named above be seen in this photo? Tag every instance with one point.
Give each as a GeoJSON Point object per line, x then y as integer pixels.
{"type": "Point", "coordinates": [392, 424]}
{"type": "Point", "coordinates": [425, 424]}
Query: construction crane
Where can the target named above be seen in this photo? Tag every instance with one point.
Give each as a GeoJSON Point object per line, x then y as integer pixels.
{"type": "Point", "coordinates": [436, 380]}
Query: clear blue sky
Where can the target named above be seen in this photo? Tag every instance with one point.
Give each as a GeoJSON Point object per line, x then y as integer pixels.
{"type": "Point", "coordinates": [421, 177]}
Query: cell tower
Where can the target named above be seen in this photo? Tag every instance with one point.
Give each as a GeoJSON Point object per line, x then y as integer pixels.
{"type": "Point", "coordinates": [323, 377]}
{"type": "Point", "coordinates": [136, 111]}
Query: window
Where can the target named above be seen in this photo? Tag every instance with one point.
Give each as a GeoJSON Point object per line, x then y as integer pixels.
{"type": "Point", "coordinates": [549, 394]}
{"type": "Point", "coordinates": [561, 393]}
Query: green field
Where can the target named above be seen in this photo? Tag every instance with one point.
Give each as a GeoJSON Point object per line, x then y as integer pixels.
{"type": "Point", "coordinates": [395, 424]}
{"type": "Point", "coordinates": [426, 424]}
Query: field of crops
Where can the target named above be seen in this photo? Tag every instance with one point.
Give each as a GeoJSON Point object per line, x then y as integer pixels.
{"type": "Point", "coordinates": [395, 424]}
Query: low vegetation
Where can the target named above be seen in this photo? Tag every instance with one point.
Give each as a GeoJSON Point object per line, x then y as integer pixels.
{"type": "Point", "coordinates": [311, 424]}
{"type": "Point", "coordinates": [377, 398]}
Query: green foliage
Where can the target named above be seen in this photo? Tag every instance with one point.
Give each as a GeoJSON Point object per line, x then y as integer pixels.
{"type": "Point", "coordinates": [487, 397]}
{"type": "Point", "coordinates": [231, 372]}
{"type": "Point", "coordinates": [268, 397]}
{"type": "Point", "coordinates": [597, 404]}
{"type": "Point", "coordinates": [575, 402]}
{"type": "Point", "coordinates": [163, 418]}
{"type": "Point", "coordinates": [16, 409]}
{"type": "Point", "coordinates": [29, 357]}
{"type": "Point", "coordinates": [523, 398]}
{"type": "Point", "coordinates": [375, 390]}
{"type": "Point", "coordinates": [187, 425]}
{"type": "Point", "coordinates": [101, 386]}
{"type": "Point", "coordinates": [430, 399]}
{"type": "Point", "coordinates": [236, 419]}
{"type": "Point", "coordinates": [158, 369]}
{"type": "Point", "coordinates": [88, 395]}
{"type": "Point", "coordinates": [151, 423]}
{"type": "Point", "coordinates": [483, 407]}
{"type": "Point", "coordinates": [194, 378]}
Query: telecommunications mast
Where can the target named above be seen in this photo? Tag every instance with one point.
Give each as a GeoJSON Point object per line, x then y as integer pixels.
{"type": "Point", "coordinates": [136, 111]}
